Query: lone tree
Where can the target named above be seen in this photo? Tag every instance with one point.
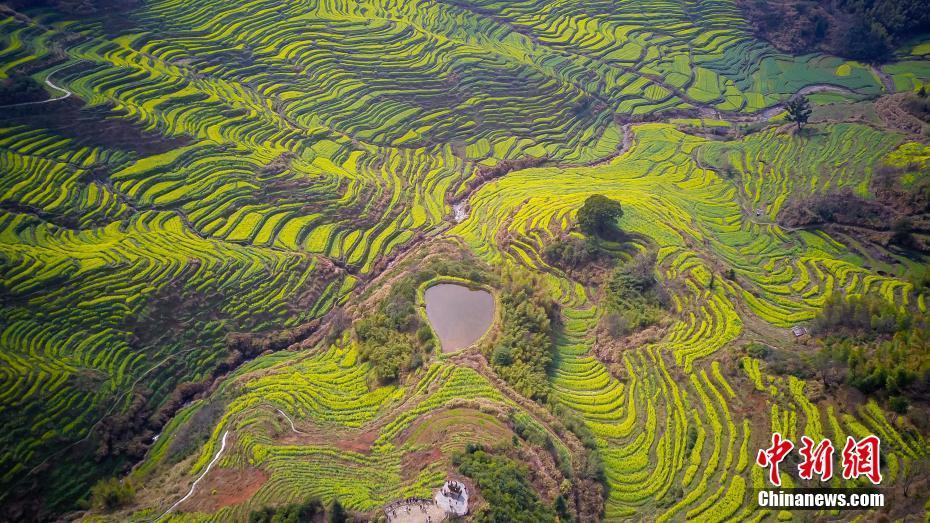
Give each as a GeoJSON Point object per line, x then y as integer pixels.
{"type": "Point", "coordinates": [599, 215]}
{"type": "Point", "coordinates": [799, 110]}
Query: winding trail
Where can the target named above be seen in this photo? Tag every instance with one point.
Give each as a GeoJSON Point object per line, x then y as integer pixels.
{"type": "Point", "coordinates": [200, 477]}
{"type": "Point", "coordinates": [771, 112]}
{"type": "Point", "coordinates": [887, 80]}
{"type": "Point", "coordinates": [460, 212]}
{"type": "Point", "coordinates": [461, 208]}
{"type": "Point", "coordinates": [48, 82]}
{"type": "Point", "coordinates": [289, 420]}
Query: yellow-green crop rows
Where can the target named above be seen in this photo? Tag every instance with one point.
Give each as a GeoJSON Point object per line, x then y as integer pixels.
{"type": "Point", "coordinates": [668, 388]}
{"type": "Point", "coordinates": [327, 398]}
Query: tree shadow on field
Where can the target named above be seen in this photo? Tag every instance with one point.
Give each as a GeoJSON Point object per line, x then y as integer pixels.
{"type": "Point", "coordinates": [615, 234]}
{"type": "Point", "coordinates": [807, 132]}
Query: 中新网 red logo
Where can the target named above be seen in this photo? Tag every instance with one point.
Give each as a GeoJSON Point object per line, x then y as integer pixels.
{"type": "Point", "coordinates": [859, 458]}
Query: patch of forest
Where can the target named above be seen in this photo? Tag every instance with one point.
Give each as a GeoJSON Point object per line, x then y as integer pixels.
{"type": "Point", "coordinates": [867, 30]}
{"type": "Point", "coordinates": [895, 216]}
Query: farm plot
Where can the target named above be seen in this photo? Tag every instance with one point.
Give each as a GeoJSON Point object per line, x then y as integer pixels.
{"type": "Point", "coordinates": [314, 426]}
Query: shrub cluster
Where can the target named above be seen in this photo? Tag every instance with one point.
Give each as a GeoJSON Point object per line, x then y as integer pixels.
{"type": "Point", "coordinates": [20, 89]}
{"type": "Point", "coordinates": [393, 338]}
{"type": "Point", "coordinates": [523, 351]}
{"type": "Point", "coordinates": [111, 494]}
{"type": "Point", "coordinates": [896, 366]}
{"type": "Point", "coordinates": [504, 485]}
{"type": "Point", "coordinates": [633, 298]}
{"type": "Point", "coordinates": [572, 253]}
{"type": "Point", "coordinates": [598, 216]}
{"type": "Point", "coordinates": [311, 509]}
{"type": "Point", "coordinates": [885, 350]}
{"type": "Point", "coordinates": [860, 315]}
{"type": "Point", "coordinates": [866, 30]}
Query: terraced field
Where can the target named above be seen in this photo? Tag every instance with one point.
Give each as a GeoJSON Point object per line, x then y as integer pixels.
{"type": "Point", "coordinates": [222, 180]}
{"type": "Point", "coordinates": [676, 385]}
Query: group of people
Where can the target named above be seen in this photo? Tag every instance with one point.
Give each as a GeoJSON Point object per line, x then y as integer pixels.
{"type": "Point", "coordinates": [406, 504]}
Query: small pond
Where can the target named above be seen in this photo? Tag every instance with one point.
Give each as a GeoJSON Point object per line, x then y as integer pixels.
{"type": "Point", "coordinates": [458, 315]}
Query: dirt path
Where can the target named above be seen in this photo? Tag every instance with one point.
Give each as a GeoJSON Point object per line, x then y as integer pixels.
{"type": "Point", "coordinates": [460, 213]}
{"type": "Point", "coordinates": [625, 144]}
{"type": "Point", "coordinates": [48, 82]}
{"type": "Point", "coordinates": [461, 209]}
{"type": "Point", "coordinates": [887, 80]}
{"type": "Point", "coordinates": [200, 477]}
{"type": "Point", "coordinates": [109, 411]}
{"type": "Point", "coordinates": [289, 420]}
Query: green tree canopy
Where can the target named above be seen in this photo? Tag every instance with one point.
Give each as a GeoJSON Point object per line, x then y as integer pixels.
{"type": "Point", "coordinates": [599, 215]}
{"type": "Point", "coordinates": [504, 485]}
{"type": "Point", "coordinates": [110, 494]}
{"type": "Point", "coordinates": [799, 110]}
{"type": "Point", "coordinates": [523, 352]}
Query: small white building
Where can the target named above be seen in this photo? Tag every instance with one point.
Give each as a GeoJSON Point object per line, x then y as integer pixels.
{"type": "Point", "coordinates": [453, 498]}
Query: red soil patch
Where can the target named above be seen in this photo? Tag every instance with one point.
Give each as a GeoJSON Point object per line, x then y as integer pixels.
{"type": "Point", "coordinates": [233, 486]}
{"type": "Point", "coordinates": [437, 426]}
{"type": "Point", "coordinates": [361, 443]}
{"type": "Point", "coordinates": [414, 462]}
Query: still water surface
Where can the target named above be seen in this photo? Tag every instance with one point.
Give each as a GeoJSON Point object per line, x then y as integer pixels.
{"type": "Point", "coordinates": [458, 315]}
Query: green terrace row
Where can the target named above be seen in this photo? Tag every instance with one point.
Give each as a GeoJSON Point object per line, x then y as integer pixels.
{"type": "Point", "coordinates": [234, 76]}
{"type": "Point", "coordinates": [641, 422]}
{"type": "Point", "coordinates": [662, 187]}
{"type": "Point", "coordinates": [327, 390]}
{"type": "Point", "coordinates": [83, 323]}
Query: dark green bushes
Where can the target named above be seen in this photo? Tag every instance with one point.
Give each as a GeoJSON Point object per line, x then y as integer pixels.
{"type": "Point", "coordinates": [504, 485]}
{"type": "Point", "coordinates": [860, 315]}
{"type": "Point", "coordinates": [309, 510]}
{"type": "Point", "coordinates": [885, 350]}
{"type": "Point", "coordinates": [111, 494]}
{"type": "Point", "coordinates": [591, 467]}
{"type": "Point", "coordinates": [758, 350]}
{"type": "Point", "coordinates": [571, 253]}
{"type": "Point", "coordinates": [530, 432]}
{"type": "Point", "coordinates": [392, 338]}
{"type": "Point", "coordinates": [899, 366]}
{"type": "Point", "coordinates": [598, 216]}
{"type": "Point", "coordinates": [523, 351]}
{"type": "Point", "coordinates": [633, 298]}
{"type": "Point", "coordinates": [867, 30]}
{"type": "Point", "coordinates": [20, 89]}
